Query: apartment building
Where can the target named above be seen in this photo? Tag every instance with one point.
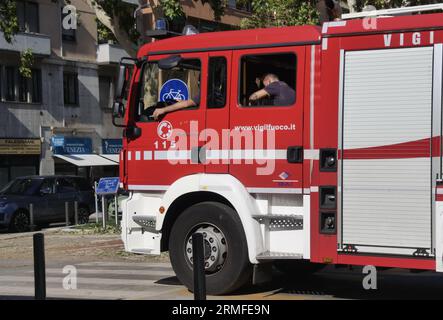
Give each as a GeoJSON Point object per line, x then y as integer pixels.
{"type": "Point", "coordinates": [59, 120]}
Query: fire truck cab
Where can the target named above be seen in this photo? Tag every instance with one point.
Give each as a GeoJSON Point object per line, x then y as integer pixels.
{"type": "Point", "coordinates": [349, 173]}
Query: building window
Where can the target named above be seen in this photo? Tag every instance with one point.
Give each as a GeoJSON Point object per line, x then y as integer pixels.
{"type": "Point", "coordinates": [10, 83]}
{"type": "Point", "coordinates": [240, 5]}
{"type": "Point", "coordinates": [162, 87]}
{"type": "Point", "coordinates": [281, 67]}
{"type": "Point", "coordinates": [21, 89]}
{"type": "Point", "coordinates": [217, 82]}
{"type": "Point", "coordinates": [67, 34]}
{"type": "Point", "coordinates": [28, 16]}
{"type": "Point", "coordinates": [36, 86]}
{"type": "Point", "coordinates": [105, 90]}
{"type": "Point", "coordinates": [70, 88]}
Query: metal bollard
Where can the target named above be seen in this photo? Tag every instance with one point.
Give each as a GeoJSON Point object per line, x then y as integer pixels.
{"type": "Point", "coordinates": [67, 213]}
{"type": "Point", "coordinates": [104, 212]}
{"type": "Point", "coordinates": [96, 203]}
{"type": "Point", "coordinates": [39, 267]}
{"type": "Point", "coordinates": [116, 210]}
{"type": "Point", "coordinates": [31, 217]}
{"type": "Point", "coordinates": [76, 212]}
{"type": "Point", "coordinates": [198, 263]}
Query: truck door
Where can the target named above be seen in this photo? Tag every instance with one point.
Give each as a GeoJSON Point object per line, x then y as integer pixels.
{"type": "Point", "coordinates": [386, 146]}
{"type": "Point", "coordinates": [217, 112]}
{"type": "Point", "coordinates": [167, 149]}
{"type": "Point", "coordinates": [266, 151]}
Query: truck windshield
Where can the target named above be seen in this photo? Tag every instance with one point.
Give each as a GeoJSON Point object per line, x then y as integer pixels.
{"type": "Point", "coordinates": [167, 86]}
{"type": "Point", "coordinates": [21, 187]}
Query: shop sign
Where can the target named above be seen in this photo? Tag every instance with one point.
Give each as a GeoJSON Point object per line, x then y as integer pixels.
{"type": "Point", "coordinates": [70, 145]}
{"type": "Point", "coordinates": [20, 146]}
{"type": "Point", "coordinates": [112, 146]}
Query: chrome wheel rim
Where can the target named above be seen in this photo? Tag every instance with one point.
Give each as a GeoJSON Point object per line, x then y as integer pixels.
{"type": "Point", "coordinates": [215, 247]}
{"type": "Point", "coordinates": [21, 221]}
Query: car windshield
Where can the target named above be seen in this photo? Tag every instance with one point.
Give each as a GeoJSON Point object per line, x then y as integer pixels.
{"type": "Point", "coordinates": [21, 187]}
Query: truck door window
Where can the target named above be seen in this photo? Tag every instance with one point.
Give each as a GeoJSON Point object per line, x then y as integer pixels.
{"type": "Point", "coordinates": [159, 88]}
{"type": "Point", "coordinates": [217, 82]}
{"type": "Point", "coordinates": [254, 69]}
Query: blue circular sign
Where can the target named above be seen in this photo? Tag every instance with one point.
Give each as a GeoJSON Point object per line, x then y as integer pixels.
{"type": "Point", "coordinates": [174, 89]}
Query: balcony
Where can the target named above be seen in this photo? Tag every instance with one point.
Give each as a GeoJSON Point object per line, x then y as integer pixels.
{"type": "Point", "coordinates": [110, 53]}
{"type": "Point", "coordinates": [39, 44]}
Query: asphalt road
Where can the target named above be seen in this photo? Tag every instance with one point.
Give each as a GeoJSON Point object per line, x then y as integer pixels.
{"type": "Point", "coordinates": [102, 275]}
{"type": "Point", "coordinates": [135, 280]}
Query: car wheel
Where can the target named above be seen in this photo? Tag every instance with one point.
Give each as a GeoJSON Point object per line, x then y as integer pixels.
{"type": "Point", "coordinates": [20, 222]}
{"type": "Point", "coordinates": [83, 215]}
{"type": "Point", "coordinates": [227, 266]}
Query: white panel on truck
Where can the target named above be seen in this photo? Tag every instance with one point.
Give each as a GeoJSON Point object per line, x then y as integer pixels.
{"type": "Point", "coordinates": [386, 165]}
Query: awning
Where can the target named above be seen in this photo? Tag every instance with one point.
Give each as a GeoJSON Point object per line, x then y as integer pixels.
{"type": "Point", "coordinates": [88, 160]}
{"type": "Point", "coordinates": [112, 157]}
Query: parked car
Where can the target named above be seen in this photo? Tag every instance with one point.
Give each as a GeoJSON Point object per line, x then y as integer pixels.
{"type": "Point", "coordinates": [122, 195]}
{"type": "Point", "coordinates": [48, 194]}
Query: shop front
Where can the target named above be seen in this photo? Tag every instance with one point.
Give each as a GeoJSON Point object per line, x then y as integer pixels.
{"type": "Point", "coordinates": [18, 157]}
{"type": "Point", "coordinates": [75, 156]}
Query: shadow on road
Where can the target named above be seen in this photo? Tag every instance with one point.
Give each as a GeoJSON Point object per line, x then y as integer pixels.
{"type": "Point", "coordinates": [343, 283]}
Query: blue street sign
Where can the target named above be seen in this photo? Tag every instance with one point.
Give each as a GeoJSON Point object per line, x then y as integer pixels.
{"type": "Point", "coordinates": [112, 146]}
{"type": "Point", "coordinates": [57, 141]}
{"type": "Point", "coordinates": [107, 186]}
{"type": "Point", "coordinates": [174, 89]}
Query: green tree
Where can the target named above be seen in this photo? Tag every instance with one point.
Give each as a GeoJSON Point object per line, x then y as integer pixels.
{"type": "Point", "coordinates": [277, 13]}
{"type": "Point", "coordinates": [274, 13]}
{"type": "Point", "coordinates": [358, 5]}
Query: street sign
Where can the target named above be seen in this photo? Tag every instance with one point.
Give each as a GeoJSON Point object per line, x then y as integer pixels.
{"type": "Point", "coordinates": [174, 89]}
{"type": "Point", "coordinates": [107, 186]}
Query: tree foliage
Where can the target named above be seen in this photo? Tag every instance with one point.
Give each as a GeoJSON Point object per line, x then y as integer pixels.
{"type": "Point", "coordinates": [8, 19]}
{"type": "Point", "coordinates": [386, 4]}
{"type": "Point", "coordinates": [277, 13]}
{"type": "Point", "coordinates": [26, 63]}
{"type": "Point", "coordinates": [274, 13]}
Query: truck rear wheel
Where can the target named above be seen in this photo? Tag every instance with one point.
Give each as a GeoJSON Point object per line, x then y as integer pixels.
{"type": "Point", "coordinates": [227, 265]}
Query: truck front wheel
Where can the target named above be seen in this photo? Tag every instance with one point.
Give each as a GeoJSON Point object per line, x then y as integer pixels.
{"type": "Point", "coordinates": [227, 266]}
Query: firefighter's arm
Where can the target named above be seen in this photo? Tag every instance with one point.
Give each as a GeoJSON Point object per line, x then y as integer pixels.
{"type": "Point", "coordinates": [260, 94]}
{"type": "Point", "coordinates": [174, 107]}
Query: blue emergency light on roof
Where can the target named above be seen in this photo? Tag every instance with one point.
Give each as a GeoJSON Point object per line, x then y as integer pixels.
{"type": "Point", "coordinates": [160, 24]}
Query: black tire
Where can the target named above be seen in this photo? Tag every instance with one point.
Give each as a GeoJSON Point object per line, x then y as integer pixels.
{"type": "Point", "coordinates": [235, 270]}
{"type": "Point", "coordinates": [83, 215]}
{"type": "Point", "coordinates": [20, 221]}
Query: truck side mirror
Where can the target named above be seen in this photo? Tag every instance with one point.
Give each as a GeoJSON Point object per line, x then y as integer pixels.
{"type": "Point", "coordinates": [132, 132]}
{"type": "Point", "coordinates": [119, 109]}
{"type": "Point", "coordinates": [120, 86]}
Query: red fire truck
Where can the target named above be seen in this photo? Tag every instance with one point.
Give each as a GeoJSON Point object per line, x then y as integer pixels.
{"type": "Point", "coordinates": [348, 174]}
